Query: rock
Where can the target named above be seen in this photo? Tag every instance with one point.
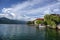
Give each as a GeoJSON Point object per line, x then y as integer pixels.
{"type": "Point", "coordinates": [58, 26]}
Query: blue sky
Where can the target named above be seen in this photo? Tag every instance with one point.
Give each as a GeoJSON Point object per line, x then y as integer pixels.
{"type": "Point", "coordinates": [28, 9]}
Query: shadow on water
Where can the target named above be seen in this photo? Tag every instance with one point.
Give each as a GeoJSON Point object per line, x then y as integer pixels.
{"type": "Point", "coordinates": [24, 32]}
{"type": "Point", "coordinates": [52, 34]}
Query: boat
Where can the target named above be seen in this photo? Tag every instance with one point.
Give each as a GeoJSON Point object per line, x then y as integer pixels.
{"type": "Point", "coordinates": [41, 26]}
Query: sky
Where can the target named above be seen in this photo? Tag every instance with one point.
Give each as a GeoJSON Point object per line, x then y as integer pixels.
{"type": "Point", "coordinates": [28, 10]}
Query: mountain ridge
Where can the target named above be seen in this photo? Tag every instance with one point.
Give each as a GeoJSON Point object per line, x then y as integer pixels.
{"type": "Point", "coordinates": [4, 20]}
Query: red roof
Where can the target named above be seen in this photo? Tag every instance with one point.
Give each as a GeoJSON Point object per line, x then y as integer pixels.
{"type": "Point", "coordinates": [40, 19]}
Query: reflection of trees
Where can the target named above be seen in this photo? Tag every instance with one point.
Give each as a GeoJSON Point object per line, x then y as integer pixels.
{"type": "Point", "coordinates": [52, 34]}
{"type": "Point", "coordinates": [58, 35]}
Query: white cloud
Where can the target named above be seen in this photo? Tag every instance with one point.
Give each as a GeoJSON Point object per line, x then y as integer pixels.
{"type": "Point", "coordinates": [57, 11]}
{"type": "Point", "coordinates": [58, 0]}
{"type": "Point", "coordinates": [7, 12]}
{"type": "Point", "coordinates": [4, 10]}
{"type": "Point", "coordinates": [26, 10]}
{"type": "Point", "coordinates": [2, 15]}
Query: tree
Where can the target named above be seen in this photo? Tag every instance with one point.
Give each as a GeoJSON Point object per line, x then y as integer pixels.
{"type": "Point", "coordinates": [30, 22]}
{"type": "Point", "coordinates": [39, 21]}
{"type": "Point", "coordinates": [52, 20]}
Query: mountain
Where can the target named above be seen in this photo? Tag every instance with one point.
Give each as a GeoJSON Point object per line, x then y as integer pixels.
{"type": "Point", "coordinates": [4, 20]}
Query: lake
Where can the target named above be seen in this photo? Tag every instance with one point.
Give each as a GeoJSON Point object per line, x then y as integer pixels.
{"type": "Point", "coordinates": [26, 32]}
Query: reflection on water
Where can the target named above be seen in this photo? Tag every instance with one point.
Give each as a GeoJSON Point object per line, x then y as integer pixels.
{"type": "Point", "coordinates": [25, 32]}
{"type": "Point", "coordinates": [52, 34]}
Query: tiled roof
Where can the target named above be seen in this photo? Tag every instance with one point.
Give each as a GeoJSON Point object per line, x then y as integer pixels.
{"type": "Point", "coordinates": [39, 19]}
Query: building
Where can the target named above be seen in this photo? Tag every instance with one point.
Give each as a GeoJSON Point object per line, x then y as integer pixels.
{"type": "Point", "coordinates": [38, 19]}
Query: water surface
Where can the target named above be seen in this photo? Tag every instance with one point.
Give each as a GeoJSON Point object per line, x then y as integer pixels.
{"type": "Point", "coordinates": [26, 32]}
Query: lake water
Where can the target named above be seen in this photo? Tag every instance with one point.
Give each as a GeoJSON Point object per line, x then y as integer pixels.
{"type": "Point", "coordinates": [26, 32]}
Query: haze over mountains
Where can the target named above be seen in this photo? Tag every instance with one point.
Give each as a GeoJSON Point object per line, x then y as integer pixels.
{"type": "Point", "coordinates": [4, 20]}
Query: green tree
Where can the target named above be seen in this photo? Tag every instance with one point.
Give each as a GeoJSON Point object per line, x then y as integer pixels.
{"type": "Point", "coordinates": [52, 20]}
{"type": "Point", "coordinates": [39, 21]}
{"type": "Point", "coordinates": [30, 22]}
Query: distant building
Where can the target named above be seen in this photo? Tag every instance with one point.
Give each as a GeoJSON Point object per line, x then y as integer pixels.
{"type": "Point", "coordinates": [38, 19]}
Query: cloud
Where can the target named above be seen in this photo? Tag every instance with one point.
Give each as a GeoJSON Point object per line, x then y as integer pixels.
{"type": "Point", "coordinates": [57, 11]}
{"type": "Point", "coordinates": [7, 12]}
{"type": "Point", "coordinates": [31, 9]}
{"type": "Point", "coordinates": [58, 0]}
{"type": "Point", "coordinates": [2, 15]}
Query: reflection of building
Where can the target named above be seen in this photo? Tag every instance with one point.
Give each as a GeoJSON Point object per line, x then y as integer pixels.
{"type": "Point", "coordinates": [38, 19]}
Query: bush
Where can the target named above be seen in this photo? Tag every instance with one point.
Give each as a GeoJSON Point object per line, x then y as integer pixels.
{"type": "Point", "coordinates": [39, 21]}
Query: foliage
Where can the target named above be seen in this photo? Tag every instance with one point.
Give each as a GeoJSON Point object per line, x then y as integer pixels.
{"type": "Point", "coordinates": [30, 22]}
{"type": "Point", "coordinates": [53, 24]}
{"type": "Point", "coordinates": [45, 23]}
{"type": "Point", "coordinates": [39, 21]}
{"type": "Point", "coordinates": [52, 20]}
